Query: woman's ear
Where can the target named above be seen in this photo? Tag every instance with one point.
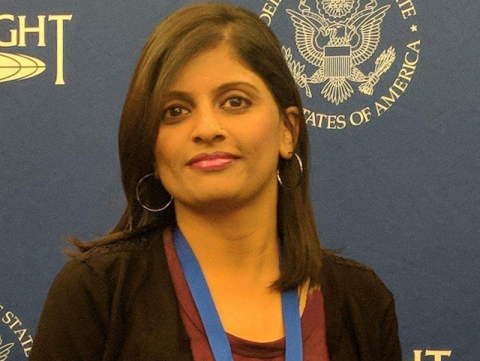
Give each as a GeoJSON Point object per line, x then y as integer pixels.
{"type": "Point", "coordinates": [289, 131]}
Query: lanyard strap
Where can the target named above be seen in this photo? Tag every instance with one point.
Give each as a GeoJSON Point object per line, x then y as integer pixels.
{"type": "Point", "coordinates": [217, 338]}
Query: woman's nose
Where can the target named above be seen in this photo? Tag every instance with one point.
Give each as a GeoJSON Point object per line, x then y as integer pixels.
{"type": "Point", "coordinates": [207, 127]}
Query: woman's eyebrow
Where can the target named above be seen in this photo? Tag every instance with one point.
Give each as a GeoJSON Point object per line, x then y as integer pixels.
{"type": "Point", "coordinates": [187, 96]}
{"type": "Point", "coordinates": [177, 94]}
{"type": "Point", "coordinates": [227, 86]}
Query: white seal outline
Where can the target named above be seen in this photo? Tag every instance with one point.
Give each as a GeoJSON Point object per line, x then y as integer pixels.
{"type": "Point", "coordinates": [373, 16]}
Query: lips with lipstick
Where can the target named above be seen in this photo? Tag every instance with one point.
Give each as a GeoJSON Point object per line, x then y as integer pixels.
{"type": "Point", "coordinates": [212, 161]}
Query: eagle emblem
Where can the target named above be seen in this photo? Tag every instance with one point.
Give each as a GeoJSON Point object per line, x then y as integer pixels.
{"type": "Point", "coordinates": [5, 350]}
{"type": "Point", "coordinates": [336, 39]}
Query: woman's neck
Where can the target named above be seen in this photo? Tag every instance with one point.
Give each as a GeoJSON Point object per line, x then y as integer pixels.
{"type": "Point", "coordinates": [241, 243]}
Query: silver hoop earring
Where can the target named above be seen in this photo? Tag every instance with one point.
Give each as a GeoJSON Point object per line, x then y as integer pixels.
{"type": "Point", "coordinates": [300, 165]}
{"type": "Point", "coordinates": [138, 195]}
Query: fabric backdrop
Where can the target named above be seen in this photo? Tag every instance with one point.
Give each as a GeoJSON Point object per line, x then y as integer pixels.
{"type": "Point", "coordinates": [396, 162]}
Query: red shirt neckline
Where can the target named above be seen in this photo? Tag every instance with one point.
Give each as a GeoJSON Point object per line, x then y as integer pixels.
{"type": "Point", "coordinates": [240, 346]}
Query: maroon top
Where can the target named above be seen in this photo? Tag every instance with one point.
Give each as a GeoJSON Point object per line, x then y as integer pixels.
{"type": "Point", "coordinates": [313, 324]}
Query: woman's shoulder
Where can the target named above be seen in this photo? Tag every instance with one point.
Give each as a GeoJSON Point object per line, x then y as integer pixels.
{"type": "Point", "coordinates": [340, 263]}
{"type": "Point", "coordinates": [118, 261]}
{"type": "Point", "coordinates": [352, 279]}
{"type": "Point", "coordinates": [119, 246]}
{"type": "Point", "coordinates": [111, 250]}
{"type": "Point", "coordinates": [360, 311]}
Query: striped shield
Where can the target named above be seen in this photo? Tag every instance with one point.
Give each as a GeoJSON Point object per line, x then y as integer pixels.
{"type": "Point", "coordinates": [337, 61]}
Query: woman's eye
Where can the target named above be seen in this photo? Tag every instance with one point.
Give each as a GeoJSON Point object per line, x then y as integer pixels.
{"type": "Point", "coordinates": [174, 112]}
{"type": "Point", "coordinates": [236, 102]}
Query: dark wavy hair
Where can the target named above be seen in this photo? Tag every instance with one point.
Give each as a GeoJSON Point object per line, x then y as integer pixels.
{"type": "Point", "coordinates": [177, 39]}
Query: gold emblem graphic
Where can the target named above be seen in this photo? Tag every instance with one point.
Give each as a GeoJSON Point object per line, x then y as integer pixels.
{"type": "Point", "coordinates": [26, 31]}
{"type": "Point", "coordinates": [337, 8]}
{"type": "Point", "coordinates": [341, 42]}
{"type": "Point", "coordinates": [19, 67]}
{"type": "Point", "coordinates": [336, 40]}
{"type": "Point", "coordinates": [16, 329]}
{"type": "Point", "coordinates": [5, 349]}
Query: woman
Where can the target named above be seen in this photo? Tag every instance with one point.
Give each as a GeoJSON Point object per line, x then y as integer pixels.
{"type": "Point", "coordinates": [216, 256]}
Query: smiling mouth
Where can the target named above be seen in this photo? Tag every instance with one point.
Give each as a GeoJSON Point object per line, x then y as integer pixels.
{"type": "Point", "coordinates": [212, 162]}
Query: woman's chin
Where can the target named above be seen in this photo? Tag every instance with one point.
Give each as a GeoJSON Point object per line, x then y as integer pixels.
{"type": "Point", "coordinates": [215, 202]}
{"type": "Point", "coordinates": [223, 196]}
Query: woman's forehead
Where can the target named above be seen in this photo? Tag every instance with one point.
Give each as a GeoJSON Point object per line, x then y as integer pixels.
{"type": "Point", "coordinates": [212, 68]}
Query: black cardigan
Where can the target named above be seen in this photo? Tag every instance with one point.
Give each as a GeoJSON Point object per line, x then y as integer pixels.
{"type": "Point", "coordinates": [117, 302]}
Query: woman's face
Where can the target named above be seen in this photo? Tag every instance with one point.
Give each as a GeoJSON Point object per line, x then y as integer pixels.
{"type": "Point", "coordinates": [221, 133]}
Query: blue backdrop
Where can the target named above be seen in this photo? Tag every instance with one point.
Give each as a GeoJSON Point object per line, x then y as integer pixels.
{"type": "Point", "coordinates": [396, 163]}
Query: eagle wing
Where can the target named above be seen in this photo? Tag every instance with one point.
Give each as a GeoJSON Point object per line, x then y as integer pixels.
{"type": "Point", "coordinates": [306, 33]}
{"type": "Point", "coordinates": [368, 31]}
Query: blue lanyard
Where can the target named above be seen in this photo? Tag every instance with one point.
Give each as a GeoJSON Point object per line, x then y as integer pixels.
{"type": "Point", "coordinates": [217, 338]}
